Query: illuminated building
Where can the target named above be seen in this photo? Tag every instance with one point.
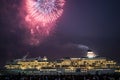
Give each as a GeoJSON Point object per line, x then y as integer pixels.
{"type": "Point", "coordinates": [90, 64]}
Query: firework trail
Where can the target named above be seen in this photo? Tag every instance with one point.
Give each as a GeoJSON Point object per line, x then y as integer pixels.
{"type": "Point", "coordinates": [41, 17]}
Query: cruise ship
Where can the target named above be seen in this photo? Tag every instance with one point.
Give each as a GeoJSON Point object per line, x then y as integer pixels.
{"type": "Point", "coordinates": [91, 64]}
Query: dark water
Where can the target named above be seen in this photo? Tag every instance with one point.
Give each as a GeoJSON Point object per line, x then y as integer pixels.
{"type": "Point", "coordinates": [61, 77]}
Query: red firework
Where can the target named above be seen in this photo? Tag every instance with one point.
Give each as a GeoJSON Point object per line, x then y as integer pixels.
{"type": "Point", "coordinates": [41, 16]}
{"type": "Point", "coordinates": [44, 12]}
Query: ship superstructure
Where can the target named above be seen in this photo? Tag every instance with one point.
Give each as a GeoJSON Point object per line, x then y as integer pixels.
{"type": "Point", "coordinates": [90, 64]}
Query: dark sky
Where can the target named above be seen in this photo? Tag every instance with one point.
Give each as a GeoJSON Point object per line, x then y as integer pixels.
{"type": "Point", "coordinates": [84, 23]}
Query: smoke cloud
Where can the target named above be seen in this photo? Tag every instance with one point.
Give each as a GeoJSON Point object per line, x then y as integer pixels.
{"type": "Point", "coordinates": [84, 47]}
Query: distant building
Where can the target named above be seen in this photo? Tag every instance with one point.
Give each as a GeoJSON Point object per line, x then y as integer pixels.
{"type": "Point", "coordinates": [90, 64]}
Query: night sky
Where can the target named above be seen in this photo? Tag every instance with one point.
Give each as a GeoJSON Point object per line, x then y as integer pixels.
{"type": "Point", "coordinates": [85, 24]}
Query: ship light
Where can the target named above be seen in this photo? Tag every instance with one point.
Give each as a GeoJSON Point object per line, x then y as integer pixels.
{"type": "Point", "coordinates": [91, 54]}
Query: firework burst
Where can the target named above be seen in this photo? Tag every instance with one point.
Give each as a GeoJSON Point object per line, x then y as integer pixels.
{"type": "Point", "coordinates": [44, 11]}
{"type": "Point", "coordinates": [42, 16]}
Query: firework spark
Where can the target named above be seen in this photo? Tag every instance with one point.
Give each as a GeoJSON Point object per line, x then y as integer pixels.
{"type": "Point", "coordinates": [44, 11]}
{"type": "Point", "coordinates": [42, 16]}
